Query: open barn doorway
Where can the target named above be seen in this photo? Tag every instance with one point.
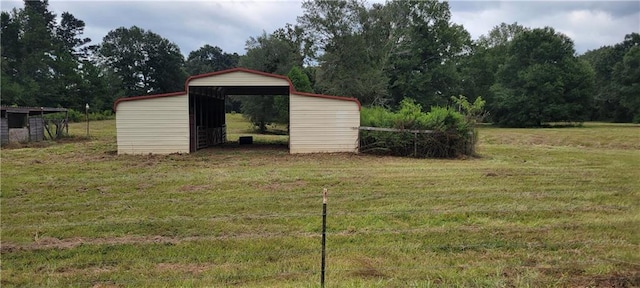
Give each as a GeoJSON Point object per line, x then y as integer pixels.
{"type": "Point", "coordinates": [211, 126]}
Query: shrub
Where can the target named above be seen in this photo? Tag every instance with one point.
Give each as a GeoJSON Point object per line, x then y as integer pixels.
{"type": "Point", "coordinates": [77, 116]}
{"type": "Point", "coordinates": [451, 134]}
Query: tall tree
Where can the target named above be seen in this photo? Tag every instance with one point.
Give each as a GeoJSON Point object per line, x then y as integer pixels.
{"type": "Point", "coordinates": [272, 53]}
{"type": "Point", "coordinates": [29, 49]}
{"type": "Point", "coordinates": [351, 44]}
{"type": "Point", "coordinates": [209, 59]}
{"type": "Point", "coordinates": [542, 81]}
{"type": "Point", "coordinates": [42, 59]}
{"type": "Point", "coordinates": [501, 35]}
{"type": "Point", "coordinates": [626, 78]}
{"type": "Point", "coordinates": [424, 66]}
{"type": "Point", "coordinates": [69, 34]}
{"type": "Point", "coordinates": [12, 87]}
{"type": "Point", "coordinates": [478, 69]}
{"type": "Point", "coordinates": [608, 102]}
{"type": "Point", "coordinates": [300, 80]}
{"type": "Point", "coordinates": [145, 62]}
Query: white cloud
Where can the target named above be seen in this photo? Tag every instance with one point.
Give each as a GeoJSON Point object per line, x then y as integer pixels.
{"type": "Point", "coordinates": [228, 23]}
{"type": "Point", "coordinates": [589, 24]}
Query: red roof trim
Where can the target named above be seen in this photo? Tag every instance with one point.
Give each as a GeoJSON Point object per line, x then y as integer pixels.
{"type": "Point", "coordinates": [292, 90]}
{"type": "Point", "coordinates": [329, 97]}
{"type": "Point", "coordinates": [124, 99]}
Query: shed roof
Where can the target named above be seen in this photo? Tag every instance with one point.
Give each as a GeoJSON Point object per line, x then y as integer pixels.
{"type": "Point", "coordinates": [32, 110]}
{"type": "Point", "coordinates": [239, 89]}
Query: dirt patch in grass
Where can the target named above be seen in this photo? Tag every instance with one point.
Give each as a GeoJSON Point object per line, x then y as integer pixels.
{"type": "Point", "coordinates": [192, 188]}
{"type": "Point", "coordinates": [106, 285]}
{"type": "Point", "coordinates": [286, 186]}
{"type": "Point", "coordinates": [41, 144]}
{"type": "Point", "coordinates": [576, 276]}
{"type": "Point", "coordinates": [69, 243]}
{"type": "Point", "coordinates": [69, 271]}
{"type": "Point", "coordinates": [55, 243]}
{"type": "Point", "coordinates": [367, 268]}
{"type": "Point", "coordinates": [189, 268]}
{"type": "Point", "coordinates": [616, 279]}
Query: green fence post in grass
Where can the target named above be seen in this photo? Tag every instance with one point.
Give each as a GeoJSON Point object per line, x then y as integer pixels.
{"type": "Point", "coordinates": [324, 234]}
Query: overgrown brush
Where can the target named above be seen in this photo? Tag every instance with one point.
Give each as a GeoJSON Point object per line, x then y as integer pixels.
{"type": "Point", "coordinates": [78, 116]}
{"type": "Point", "coordinates": [441, 132]}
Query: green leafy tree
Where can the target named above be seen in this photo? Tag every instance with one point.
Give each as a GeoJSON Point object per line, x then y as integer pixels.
{"type": "Point", "coordinates": [272, 53]}
{"type": "Point", "coordinates": [542, 81]}
{"type": "Point", "coordinates": [145, 62]}
{"type": "Point", "coordinates": [383, 53]}
{"type": "Point", "coordinates": [626, 77]}
{"type": "Point", "coordinates": [608, 102]}
{"type": "Point", "coordinates": [300, 80]}
{"type": "Point", "coordinates": [478, 68]}
{"type": "Point", "coordinates": [209, 59]}
{"type": "Point", "coordinates": [350, 42]}
{"type": "Point", "coordinates": [42, 60]}
{"type": "Point", "coordinates": [424, 65]}
{"type": "Point", "coordinates": [261, 110]}
{"type": "Point", "coordinates": [11, 49]}
{"type": "Point", "coordinates": [27, 47]}
{"type": "Point", "coordinates": [473, 111]}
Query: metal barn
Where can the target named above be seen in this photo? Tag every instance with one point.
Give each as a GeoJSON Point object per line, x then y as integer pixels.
{"type": "Point", "coordinates": [186, 121]}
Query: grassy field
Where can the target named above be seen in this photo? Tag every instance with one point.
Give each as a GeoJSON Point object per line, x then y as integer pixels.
{"type": "Point", "coordinates": [540, 207]}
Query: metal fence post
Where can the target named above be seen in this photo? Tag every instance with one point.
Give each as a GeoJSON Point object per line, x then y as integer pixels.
{"type": "Point", "coordinates": [324, 235]}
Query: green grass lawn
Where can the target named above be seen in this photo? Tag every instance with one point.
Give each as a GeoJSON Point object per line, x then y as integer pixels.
{"type": "Point", "coordinates": [540, 207]}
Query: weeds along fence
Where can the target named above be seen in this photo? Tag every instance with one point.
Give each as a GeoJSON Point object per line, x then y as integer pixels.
{"type": "Point", "coordinates": [416, 143]}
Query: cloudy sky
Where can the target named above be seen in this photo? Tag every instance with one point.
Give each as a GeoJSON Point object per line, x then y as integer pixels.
{"type": "Point", "coordinates": [228, 23]}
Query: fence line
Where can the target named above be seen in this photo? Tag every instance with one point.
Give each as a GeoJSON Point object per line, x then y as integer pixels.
{"type": "Point", "coordinates": [468, 145]}
{"type": "Point", "coordinates": [248, 217]}
{"type": "Point", "coordinates": [430, 196]}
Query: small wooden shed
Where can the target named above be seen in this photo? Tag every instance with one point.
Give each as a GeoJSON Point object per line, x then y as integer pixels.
{"type": "Point", "coordinates": [27, 124]}
{"type": "Point", "coordinates": [189, 120]}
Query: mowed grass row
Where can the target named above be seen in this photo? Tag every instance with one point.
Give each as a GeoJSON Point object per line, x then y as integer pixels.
{"type": "Point", "coordinates": [540, 207]}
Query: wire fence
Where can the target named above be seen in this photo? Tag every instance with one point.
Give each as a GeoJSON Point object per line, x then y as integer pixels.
{"type": "Point", "coordinates": [354, 213]}
{"type": "Point", "coordinates": [229, 267]}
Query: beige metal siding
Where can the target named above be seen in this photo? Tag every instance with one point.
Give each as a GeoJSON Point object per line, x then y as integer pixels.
{"type": "Point", "coordinates": [323, 125]}
{"type": "Point", "coordinates": [238, 78]}
{"type": "Point", "coordinates": [157, 125]}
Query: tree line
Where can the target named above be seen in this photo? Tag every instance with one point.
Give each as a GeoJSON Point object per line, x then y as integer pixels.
{"type": "Point", "coordinates": [380, 54]}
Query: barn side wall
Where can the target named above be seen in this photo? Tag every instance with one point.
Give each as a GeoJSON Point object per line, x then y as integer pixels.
{"type": "Point", "coordinates": [319, 125]}
{"type": "Point", "coordinates": [157, 126]}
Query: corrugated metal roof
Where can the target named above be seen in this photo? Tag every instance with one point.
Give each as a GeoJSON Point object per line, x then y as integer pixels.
{"type": "Point", "coordinates": [32, 110]}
